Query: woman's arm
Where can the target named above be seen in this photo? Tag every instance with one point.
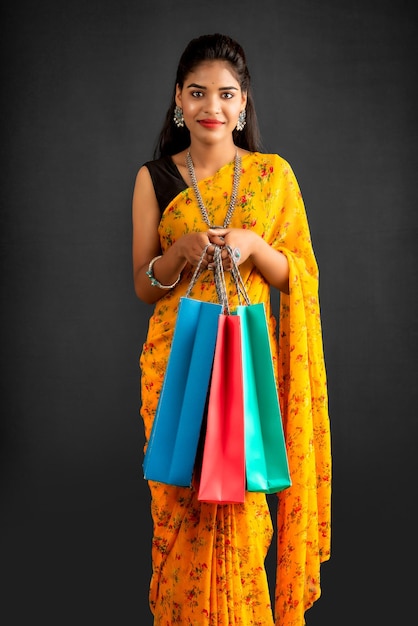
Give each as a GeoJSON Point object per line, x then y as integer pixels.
{"type": "Point", "coordinates": [271, 263]}
{"type": "Point", "coordinates": [146, 244]}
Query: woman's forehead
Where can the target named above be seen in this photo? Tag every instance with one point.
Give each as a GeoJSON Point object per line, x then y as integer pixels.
{"type": "Point", "coordinates": [212, 72]}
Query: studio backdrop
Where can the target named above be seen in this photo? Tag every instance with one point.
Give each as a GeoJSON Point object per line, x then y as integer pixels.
{"type": "Point", "coordinates": [86, 86]}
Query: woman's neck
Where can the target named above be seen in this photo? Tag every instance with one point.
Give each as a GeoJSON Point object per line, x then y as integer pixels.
{"type": "Point", "coordinates": [210, 158]}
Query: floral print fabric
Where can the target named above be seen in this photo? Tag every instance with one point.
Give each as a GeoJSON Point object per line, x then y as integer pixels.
{"type": "Point", "coordinates": [208, 559]}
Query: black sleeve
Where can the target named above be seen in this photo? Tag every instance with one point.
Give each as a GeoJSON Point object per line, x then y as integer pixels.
{"type": "Point", "coordinates": [166, 179]}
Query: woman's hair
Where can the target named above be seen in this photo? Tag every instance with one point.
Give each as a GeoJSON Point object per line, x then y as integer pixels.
{"type": "Point", "coordinates": [210, 48]}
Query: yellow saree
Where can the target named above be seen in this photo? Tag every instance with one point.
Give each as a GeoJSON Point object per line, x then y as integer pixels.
{"type": "Point", "coordinates": [208, 559]}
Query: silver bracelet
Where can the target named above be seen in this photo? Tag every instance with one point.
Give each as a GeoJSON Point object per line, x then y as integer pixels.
{"type": "Point", "coordinates": [154, 281]}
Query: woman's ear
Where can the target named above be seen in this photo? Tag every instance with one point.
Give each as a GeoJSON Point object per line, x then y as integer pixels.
{"type": "Point", "coordinates": [244, 99]}
{"type": "Point", "coordinates": [178, 96]}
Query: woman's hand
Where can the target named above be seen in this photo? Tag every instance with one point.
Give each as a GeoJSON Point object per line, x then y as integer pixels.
{"type": "Point", "coordinates": [245, 244]}
{"type": "Point", "coordinates": [191, 246]}
{"type": "Point", "coordinates": [241, 241]}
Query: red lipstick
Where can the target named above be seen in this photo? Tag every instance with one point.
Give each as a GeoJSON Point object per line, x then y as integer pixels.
{"type": "Point", "coordinates": [209, 123]}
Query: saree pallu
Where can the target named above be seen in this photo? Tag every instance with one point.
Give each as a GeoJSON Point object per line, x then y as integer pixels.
{"type": "Point", "coordinates": [208, 559]}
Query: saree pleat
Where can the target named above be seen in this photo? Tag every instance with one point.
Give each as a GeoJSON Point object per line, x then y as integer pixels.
{"type": "Point", "coordinates": [208, 559]}
{"type": "Point", "coordinates": [200, 556]}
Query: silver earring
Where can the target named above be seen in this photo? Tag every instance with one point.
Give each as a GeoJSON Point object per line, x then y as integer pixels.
{"type": "Point", "coordinates": [241, 120]}
{"type": "Point", "coordinates": [178, 117]}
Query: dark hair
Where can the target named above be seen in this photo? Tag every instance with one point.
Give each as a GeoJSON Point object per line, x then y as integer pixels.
{"type": "Point", "coordinates": [210, 48]}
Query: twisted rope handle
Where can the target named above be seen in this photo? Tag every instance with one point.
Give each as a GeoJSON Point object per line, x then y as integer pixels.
{"type": "Point", "coordinates": [220, 279]}
{"type": "Point", "coordinates": [219, 274]}
{"type": "Point", "coordinates": [236, 275]}
{"type": "Point", "coordinates": [197, 272]}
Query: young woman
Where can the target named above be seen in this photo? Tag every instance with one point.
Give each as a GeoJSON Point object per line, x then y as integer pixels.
{"type": "Point", "coordinates": [209, 185]}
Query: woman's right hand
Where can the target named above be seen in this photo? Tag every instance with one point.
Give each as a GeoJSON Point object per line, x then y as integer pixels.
{"type": "Point", "coordinates": [191, 246]}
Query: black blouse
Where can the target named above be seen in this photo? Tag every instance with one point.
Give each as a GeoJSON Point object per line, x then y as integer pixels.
{"type": "Point", "coordinates": [167, 180]}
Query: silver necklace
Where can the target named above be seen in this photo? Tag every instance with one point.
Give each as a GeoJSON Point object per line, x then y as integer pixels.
{"type": "Point", "coordinates": [235, 185]}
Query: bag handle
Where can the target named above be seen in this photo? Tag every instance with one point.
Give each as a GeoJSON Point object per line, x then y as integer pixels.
{"type": "Point", "coordinates": [197, 272]}
{"type": "Point", "coordinates": [236, 275]}
{"type": "Point", "coordinates": [220, 279]}
{"type": "Point", "coordinates": [219, 274]}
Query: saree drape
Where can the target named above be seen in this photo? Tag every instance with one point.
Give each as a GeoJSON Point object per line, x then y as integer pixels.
{"type": "Point", "coordinates": [207, 559]}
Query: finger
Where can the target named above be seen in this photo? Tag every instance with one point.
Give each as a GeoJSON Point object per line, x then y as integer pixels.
{"type": "Point", "coordinates": [217, 235]}
{"type": "Point", "coordinates": [218, 231]}
{"type": "Point", "coordinates": [218, 241]}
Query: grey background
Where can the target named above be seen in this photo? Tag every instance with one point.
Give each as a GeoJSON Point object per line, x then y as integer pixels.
{"type": "Point", "coordinates": [85, 87]}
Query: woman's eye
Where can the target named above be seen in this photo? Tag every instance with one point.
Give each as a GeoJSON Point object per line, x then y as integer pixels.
{"type": "Point", "coordinates": [197, 94]}
{"type": "Point", "coordinates": [226, 95]}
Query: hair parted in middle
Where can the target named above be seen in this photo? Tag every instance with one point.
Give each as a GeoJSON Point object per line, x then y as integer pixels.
{"type": "Point", "coordinates": [216, 47]}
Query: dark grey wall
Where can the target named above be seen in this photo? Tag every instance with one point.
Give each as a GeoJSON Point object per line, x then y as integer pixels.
{"type": "Point", "coordinates": [86, 86]}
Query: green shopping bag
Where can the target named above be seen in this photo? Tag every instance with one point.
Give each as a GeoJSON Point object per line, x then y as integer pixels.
{"type": "Point", "coordinates": [266, 463]}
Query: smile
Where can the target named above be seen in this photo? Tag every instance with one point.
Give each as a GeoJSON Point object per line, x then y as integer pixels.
{"type": "Point", "coordinates": [207, 123]}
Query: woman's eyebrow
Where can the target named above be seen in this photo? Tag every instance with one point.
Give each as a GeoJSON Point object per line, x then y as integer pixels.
{"type": "Point", "coordinates": [195, 86]}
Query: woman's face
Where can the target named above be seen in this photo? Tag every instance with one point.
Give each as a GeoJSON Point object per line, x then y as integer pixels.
{"type": "Point", "coordinates": [211, 99]}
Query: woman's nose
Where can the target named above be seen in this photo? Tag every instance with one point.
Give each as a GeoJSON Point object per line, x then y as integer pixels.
{"type": "Point", "coordinates": [212, 105]}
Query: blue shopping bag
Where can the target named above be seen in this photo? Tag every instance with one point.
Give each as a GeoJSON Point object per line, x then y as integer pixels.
{"type": "Point", "coordinates": [172, 446]}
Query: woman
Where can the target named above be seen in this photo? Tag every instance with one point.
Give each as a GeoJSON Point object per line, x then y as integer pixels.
{"type": "Point", "coordinates": [211, 186]}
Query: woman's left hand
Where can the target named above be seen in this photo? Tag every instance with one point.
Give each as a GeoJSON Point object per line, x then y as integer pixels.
{"type": "Point", "coordinates": [240, 240]}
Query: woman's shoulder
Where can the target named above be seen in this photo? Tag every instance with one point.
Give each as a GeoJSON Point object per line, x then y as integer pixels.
{"type": "Point", "coordinates": [272, 162]}
{"type": "Point", "coordinates": [272, 157]}
{"type": "Point", "coordinates": [166, 179]}
{"type": "Point", "coordinates": [162, 163]}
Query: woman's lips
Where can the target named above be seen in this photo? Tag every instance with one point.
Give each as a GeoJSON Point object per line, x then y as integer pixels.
{"type": "Point", "coordinates": [210, 123]}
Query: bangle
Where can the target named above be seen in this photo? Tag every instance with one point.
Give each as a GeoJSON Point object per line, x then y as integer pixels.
{"type": "Point", "coordinates": [154, 281]}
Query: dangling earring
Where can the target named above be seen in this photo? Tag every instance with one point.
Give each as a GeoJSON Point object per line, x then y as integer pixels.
{"type": "Point", "coordinates": [241, 120]}
{"type": "Point", "coordinates": [178, 117]}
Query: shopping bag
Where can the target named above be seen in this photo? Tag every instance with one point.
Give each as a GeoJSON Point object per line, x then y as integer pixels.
{"type": "Point", "coordinates": [266, 463]}
{"type": "Point", "coordinates": [174, 438]}
{"type": "Point", "coordinates": [222, 478]}
{"type": "Point", "coordinates": [172, 445]}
